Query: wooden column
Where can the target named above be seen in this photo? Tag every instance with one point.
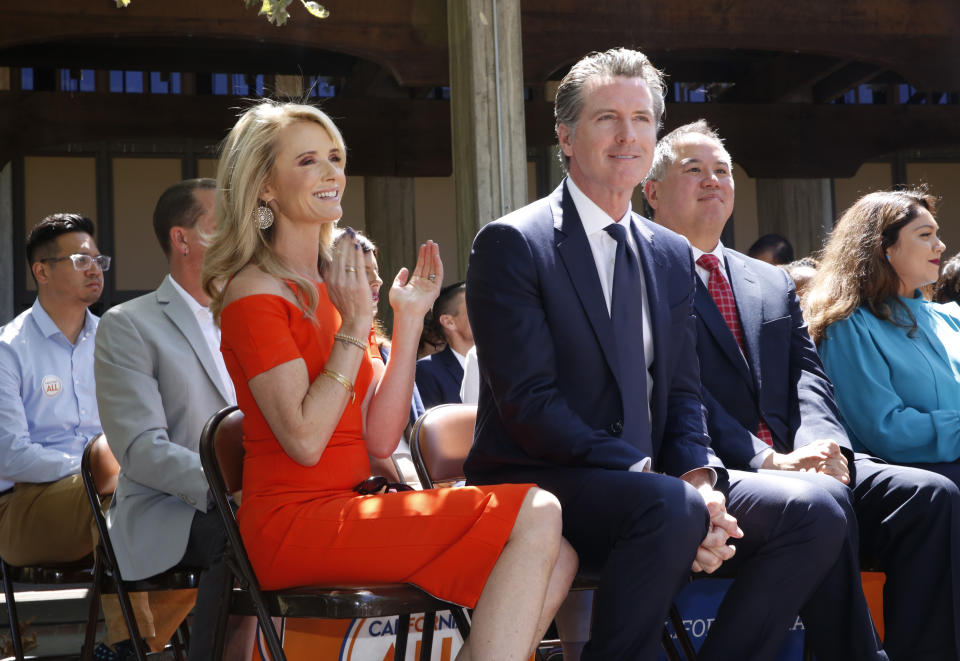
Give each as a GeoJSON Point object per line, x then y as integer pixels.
{"type": "Point", "coordinates": [799, 209]}
{"type": "Point", "coordinates": [487, 114]}
{"type": "Point", "coordinates": [391, 225]}
{"type": "Point", "coordinates": [6, 245]}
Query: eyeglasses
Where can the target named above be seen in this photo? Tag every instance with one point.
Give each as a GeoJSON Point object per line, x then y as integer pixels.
{"type": "Point", "coordinates": [83, 262]}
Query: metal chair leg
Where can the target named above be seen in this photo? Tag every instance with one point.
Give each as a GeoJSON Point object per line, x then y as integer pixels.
{"type": "Point", "coordinates": [676, 620]}
{"type": "Point", "coordinates": [426, 640]}
{"type": "Point", "coordinates": [403, 629]}
{"type": "Point", "coordinates": [12, 612]}
{"type": "Point", "coordinates": [274, 646]}
{"type": "Point", "coordinates": [463, 624]}
{"type": "Point", "coordinates": [668, 647]}
{"type": "Point", "coordinates": [93, 612]}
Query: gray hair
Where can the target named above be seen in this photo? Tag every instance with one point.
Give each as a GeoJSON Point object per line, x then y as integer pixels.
{"type": "Point", "coordinates": [665, 154]}
{"type": "Point", "coordinates": [616, 62]}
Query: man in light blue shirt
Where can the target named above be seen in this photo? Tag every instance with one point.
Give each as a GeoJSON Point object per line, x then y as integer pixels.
{"type": "Point", "coordinates": [48, 405]}
{"type": "Point", "coordinates": [48, 414]}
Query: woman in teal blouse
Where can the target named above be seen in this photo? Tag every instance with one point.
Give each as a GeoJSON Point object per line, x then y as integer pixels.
{"type": "Point", "coordinates": [893, 357]}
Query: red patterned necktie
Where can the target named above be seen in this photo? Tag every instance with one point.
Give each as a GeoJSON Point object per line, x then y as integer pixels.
{"type": "Point", "coordinates": [722, 295]}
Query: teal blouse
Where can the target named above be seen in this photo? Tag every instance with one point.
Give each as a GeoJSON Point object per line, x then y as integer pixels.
{"type": "Point", "coordinates": [899, 395]}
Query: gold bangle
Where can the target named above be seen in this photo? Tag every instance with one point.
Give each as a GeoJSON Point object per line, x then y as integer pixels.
{"type": "Point", "coordinates": [349, 339]}
{"type": "Point", "coordinates": [343, 381]}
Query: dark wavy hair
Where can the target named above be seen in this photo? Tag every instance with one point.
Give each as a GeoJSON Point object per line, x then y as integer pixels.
{"type": "Point", "coordinates": [947, 289]}
{"type": "Point", "coordinates": [854, 270]}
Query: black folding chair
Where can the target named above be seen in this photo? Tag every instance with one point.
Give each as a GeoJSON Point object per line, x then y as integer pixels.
{"type": "Point", "coordinates": [98, 470]}
{"type": "Point", "coordinates": [221, 452]}
{"type": "Point", "coordinates": [81, 572]}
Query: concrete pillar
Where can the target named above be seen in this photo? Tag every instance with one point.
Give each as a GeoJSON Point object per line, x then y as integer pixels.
{"type": "Point", "coordinates": [799, 209]}
{"type": "Point", "coordinates": [391, 225]}
{"type": "Point", "coordinates": [6, 243]}
{"type": "Point", "coordinates": [487, 114]}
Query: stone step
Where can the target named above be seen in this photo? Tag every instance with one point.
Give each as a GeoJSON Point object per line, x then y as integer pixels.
{"type": "Point", "coordinates": [58, 617]}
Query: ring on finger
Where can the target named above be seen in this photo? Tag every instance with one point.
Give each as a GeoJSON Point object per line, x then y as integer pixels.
{"type": "Point", "coordinates": [350, 269]}
{"type": "Point", "coordinates": [432, 277]}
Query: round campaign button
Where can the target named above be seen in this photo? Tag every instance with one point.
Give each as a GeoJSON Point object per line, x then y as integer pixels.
{"type": "Point", "coordinates": [51, 385]}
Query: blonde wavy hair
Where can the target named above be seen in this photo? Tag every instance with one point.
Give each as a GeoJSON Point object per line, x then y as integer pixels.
{"type": "Point", "coordinates": [854, 270]}
{"type": "Point", "coordinates": [246, 163]}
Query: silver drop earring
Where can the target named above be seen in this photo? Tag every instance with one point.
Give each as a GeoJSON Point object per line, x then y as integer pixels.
{"type": "Point", "coordinates": [263, 216]}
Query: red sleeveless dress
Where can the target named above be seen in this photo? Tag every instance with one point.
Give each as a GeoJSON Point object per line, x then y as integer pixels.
{"type": "Point", "coordinates": [305, 525]}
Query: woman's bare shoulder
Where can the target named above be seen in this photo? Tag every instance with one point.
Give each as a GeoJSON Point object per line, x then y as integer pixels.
{"type": "Point", "coordinates": [251, 281]}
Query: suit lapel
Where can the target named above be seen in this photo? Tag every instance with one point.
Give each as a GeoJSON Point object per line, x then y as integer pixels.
{"type": "Point", "coordinates": [749, 297]}
{"type": "Point", "coordinates": [577, 257]}
{"type": "Point", "coordinates": [451, 363]}
{"type": "Point", "coordinates": [710, 315]}
{"type": "Point", "coordinates": [175, 308]}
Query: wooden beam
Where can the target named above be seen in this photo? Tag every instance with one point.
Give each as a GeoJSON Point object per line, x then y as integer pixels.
{"type": "Point", "coordinates": [840, 81]}
{"type": "Point", "coordinates": [411, 137]}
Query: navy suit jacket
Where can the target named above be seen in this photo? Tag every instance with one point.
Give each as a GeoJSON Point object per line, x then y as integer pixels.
{"type": "Point", "coordinates": [439, 377]}
{"type": "Point", "coordinates": [781, 378]}
{"type": "Point", "coordinates": [549, 394]}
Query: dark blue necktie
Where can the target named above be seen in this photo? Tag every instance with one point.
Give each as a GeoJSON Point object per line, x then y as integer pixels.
{"type": "Point", "coordinates": [626, 313]}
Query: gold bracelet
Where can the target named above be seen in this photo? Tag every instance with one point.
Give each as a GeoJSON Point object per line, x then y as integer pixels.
{"type": "Point", "coordinates": [343, 381]}
{"type": "Point", "coordinates": [349, 339]}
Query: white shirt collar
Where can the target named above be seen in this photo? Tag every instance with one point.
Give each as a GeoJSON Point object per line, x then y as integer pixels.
{"type": "Point", "coordinates": [49, 328]}
{"type": "Point", "coordinates": [191, 302]}
{"type": "Point", "coordinates": [594, 218]}
{"type": "Point", "coordinates": [716, 252]}
{"type": "Point", "coordinates": [460, 356]}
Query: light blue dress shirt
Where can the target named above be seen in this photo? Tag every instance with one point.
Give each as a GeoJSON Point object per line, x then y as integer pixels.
{"type": "Point", "coordinates": [899, 395]}
{"type": "Point", "coordinates": [48, 399]}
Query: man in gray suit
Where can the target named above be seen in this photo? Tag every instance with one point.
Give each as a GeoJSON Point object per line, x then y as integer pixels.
{"type": "Point", "coordinates": [160, 376]}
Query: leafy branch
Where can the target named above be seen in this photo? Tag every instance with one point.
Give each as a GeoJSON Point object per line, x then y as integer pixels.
{"type": "Point", "coordinates": [275, 10]}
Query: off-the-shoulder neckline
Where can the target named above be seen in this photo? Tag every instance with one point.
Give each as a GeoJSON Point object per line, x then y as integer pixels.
{"type": "Point", "coordinates": [269, 295]}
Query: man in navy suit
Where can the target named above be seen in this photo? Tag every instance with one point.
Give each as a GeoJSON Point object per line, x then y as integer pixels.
{"type": "Point", "coordinates": [439, 375]}
{"type": "Point", "coordinates": [582, 315]}
{"type": "Point", "coordinates": [770, 406]}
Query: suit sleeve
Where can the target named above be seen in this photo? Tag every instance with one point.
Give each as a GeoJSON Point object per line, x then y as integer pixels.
{"type": "Point", "coordinates": [686, 444]}
{"type": "Point", "coordinates": [133, 418]}
{"type": "Point", "coordinates": [428, 384]}
{"type": "Point", "coordinates": [518, 358]}
{"type": "Point", "coordinates": [732, 442]}
{"type": "Point", "coordinates": [816, 415]}
{"type": "Point", "coordinates": [21, 458]}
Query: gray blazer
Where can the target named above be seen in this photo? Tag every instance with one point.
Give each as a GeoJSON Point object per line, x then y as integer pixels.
{"type": "Point", "coordinates": [157, 384]}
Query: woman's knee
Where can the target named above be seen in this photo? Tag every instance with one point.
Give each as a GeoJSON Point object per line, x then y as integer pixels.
{"type": "Point", "coordinates": [540, 516]}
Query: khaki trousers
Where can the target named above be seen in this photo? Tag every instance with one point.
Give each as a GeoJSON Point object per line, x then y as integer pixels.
{"type": "Point", "coordinates": [51, 523]}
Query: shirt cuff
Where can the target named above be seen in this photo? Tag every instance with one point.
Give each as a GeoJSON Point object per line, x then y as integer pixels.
{"type": "Point", "coordinates": [642, 466]}
{"type": "Point", "coordinates": [759, 458]}
{"type": "Point", "coordinates": [713, 474]}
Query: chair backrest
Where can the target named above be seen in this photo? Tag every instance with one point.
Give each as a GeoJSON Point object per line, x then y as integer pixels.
{"type": "Point", "coordinates": [228, 447]}
{"type": "Point", "coordinates": [98, 470]}
{"type": "Point", "coordinates": [103, 465]}
{"type": "Point", "coordinates": [440, 441]}
{"type": "Point", "coordinates": [221, 454]}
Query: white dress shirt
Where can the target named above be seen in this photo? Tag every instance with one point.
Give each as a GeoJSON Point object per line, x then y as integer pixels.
{"type": "Point", "coordinates": [470, 386]}
{"type": "Point", "coordinates": [210, 333]}
{"type": "Point", "coordinates": [604, 248]}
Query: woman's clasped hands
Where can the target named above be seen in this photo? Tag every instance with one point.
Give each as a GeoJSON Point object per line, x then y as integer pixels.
{"type": "Point", "coordinates": [347, 287]}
